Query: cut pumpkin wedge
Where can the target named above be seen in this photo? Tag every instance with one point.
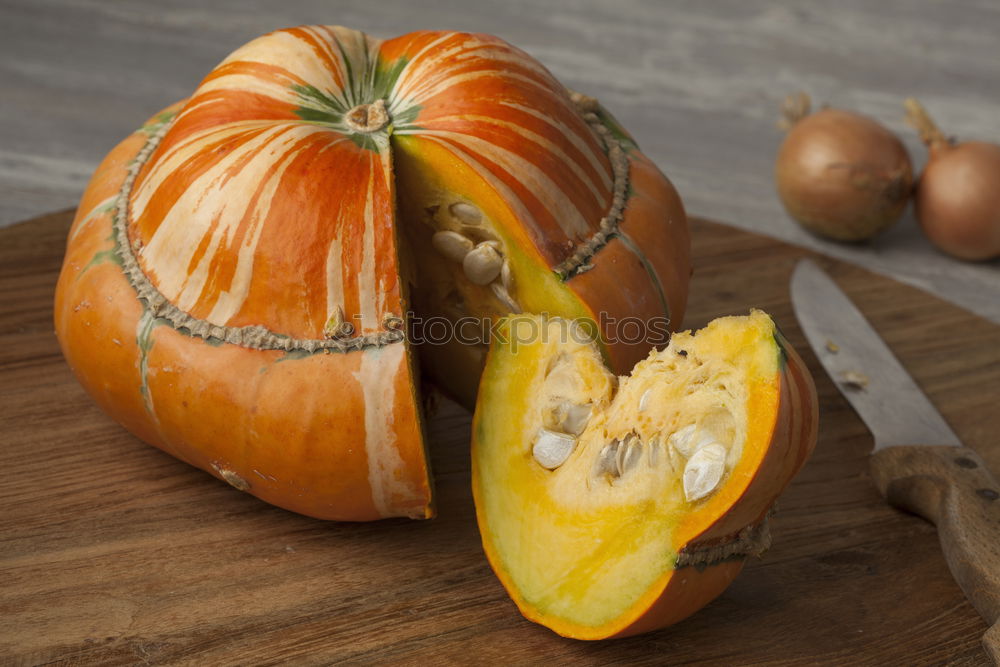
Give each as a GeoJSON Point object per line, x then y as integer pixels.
{"type": "Point", "coordinates": [612, 506]}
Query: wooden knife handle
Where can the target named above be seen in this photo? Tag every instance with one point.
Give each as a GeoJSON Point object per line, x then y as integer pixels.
{"type": "Point", "coordinates": [952, 488]}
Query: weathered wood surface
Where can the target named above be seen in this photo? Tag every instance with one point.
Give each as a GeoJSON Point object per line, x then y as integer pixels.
{"type": "Point", "coordinates": [697, 83]}
{"type": "Point", "coordinates": [114, 553]}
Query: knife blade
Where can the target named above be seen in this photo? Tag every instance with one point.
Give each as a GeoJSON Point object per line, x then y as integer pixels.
{"type": "Point", "coordinates": [918, 463]}
{"type": "Point", "coordinates": [862, 365]}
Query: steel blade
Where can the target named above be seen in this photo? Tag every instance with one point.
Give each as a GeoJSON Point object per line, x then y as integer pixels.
{"type": "Point", "coordinates": [862, 366]}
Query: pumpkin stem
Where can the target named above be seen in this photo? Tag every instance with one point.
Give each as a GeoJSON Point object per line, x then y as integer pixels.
{"type": "Point", "coordinates": [367, 118]}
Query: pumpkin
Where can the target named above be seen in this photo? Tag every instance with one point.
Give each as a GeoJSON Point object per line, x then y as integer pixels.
{"type": "Point", "coordinates": [609, 507]}
{"type": "Point", "coordinates": [243, 271]}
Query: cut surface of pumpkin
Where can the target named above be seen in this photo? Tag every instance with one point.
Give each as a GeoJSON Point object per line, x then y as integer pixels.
{"type": "Point", "coordinates": [609, 506]}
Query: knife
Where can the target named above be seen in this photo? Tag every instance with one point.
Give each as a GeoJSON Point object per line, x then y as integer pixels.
{"type": "Point", "coordinates": [918, 462]}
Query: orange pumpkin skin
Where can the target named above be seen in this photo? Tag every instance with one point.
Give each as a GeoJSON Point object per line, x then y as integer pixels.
{"type": "Point", "coordinates": [254, 213]}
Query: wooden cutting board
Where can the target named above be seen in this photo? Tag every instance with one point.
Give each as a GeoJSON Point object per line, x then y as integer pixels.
{"type": "Point", "coordinates": [112, 552]}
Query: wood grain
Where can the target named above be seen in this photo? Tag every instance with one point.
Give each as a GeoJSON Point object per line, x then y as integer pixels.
{"type": "Point", "coordinates": [113, 553]}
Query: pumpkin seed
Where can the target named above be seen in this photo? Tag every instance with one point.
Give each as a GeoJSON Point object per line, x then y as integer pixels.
{"type": "Point", "coordinates": [482, 264]}
{"type": "Point", "coordinates": [628, 454]}
{"type": "Point", "coordinates": [605, 463]}
{"type": "Point", "coordinates": [653, 447]}
{"type": "Point", "coordinates": [644, 400]}
{"type": "Point", "coordinates": [703, 471]}
{"type": "Point", "coordinates": [573, 418]}
{"type": "Point", "coordinates": [620, 456]}
{"type": "Point", "coordinates": [452, 245]}
{"type": "Point", "coordinates": [632, 456]}
{"type": "Point", "coordinates": [552, 448]}
{"type": "Point", "coordinates": [689, 440]}
{"type": "Point", "coordinates": [506, 277]}
{"type": "Point", "coordinates": [679, 440]}
{"type": "Point", "coordinates": [466, 213]}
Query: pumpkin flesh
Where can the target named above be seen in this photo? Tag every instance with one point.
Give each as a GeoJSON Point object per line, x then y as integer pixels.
{"type": "Point", "coordinates": [592, 553]}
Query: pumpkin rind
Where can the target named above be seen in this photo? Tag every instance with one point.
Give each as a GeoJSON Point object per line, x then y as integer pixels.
{"type": "Point", "coordinates": [216, 249]}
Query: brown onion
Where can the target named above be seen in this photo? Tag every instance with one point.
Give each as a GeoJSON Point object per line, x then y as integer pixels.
{"type": "Point", "coordinates": [958, 195]}
{"type": "Point", "coordinates": [840, 174]}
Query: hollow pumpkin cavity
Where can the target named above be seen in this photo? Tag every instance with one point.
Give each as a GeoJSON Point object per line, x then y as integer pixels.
{"type": "Point", "coordinates": [592, 490]}
{"type": "Point", "coordinates": [465, 264]}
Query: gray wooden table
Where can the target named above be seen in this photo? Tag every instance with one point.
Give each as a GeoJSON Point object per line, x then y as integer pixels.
{"type": "Point", "coordinates": [698, 83]}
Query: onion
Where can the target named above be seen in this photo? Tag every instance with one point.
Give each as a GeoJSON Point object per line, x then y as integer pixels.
{"type": "Point", "coordinates": [958, 195]}
{"type": "Point", "coordinates": [840, 174]}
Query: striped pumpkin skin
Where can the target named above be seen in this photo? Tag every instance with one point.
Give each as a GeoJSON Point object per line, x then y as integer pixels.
{"type": "Point", "coordinates": [335, 436]}
{"type": "Point", "coordinates": [257, 217]}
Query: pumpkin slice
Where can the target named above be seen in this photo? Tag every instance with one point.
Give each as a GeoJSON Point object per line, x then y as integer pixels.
{"type": "Point", "coordinates": [611, 506]}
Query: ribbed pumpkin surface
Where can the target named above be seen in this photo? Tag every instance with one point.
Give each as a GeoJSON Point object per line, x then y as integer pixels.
{"type": "Point", "coordinates": [261, 207]}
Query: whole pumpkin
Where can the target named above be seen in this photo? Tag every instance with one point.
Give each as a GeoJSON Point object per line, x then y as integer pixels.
{"type": "Point", "coordinates": [243, 270]}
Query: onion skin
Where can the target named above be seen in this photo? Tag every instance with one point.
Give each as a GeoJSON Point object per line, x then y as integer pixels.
{"type": "Point", "coordinates": [958, 199]}
{"type": "Point", "coordinates": [842, 175]}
